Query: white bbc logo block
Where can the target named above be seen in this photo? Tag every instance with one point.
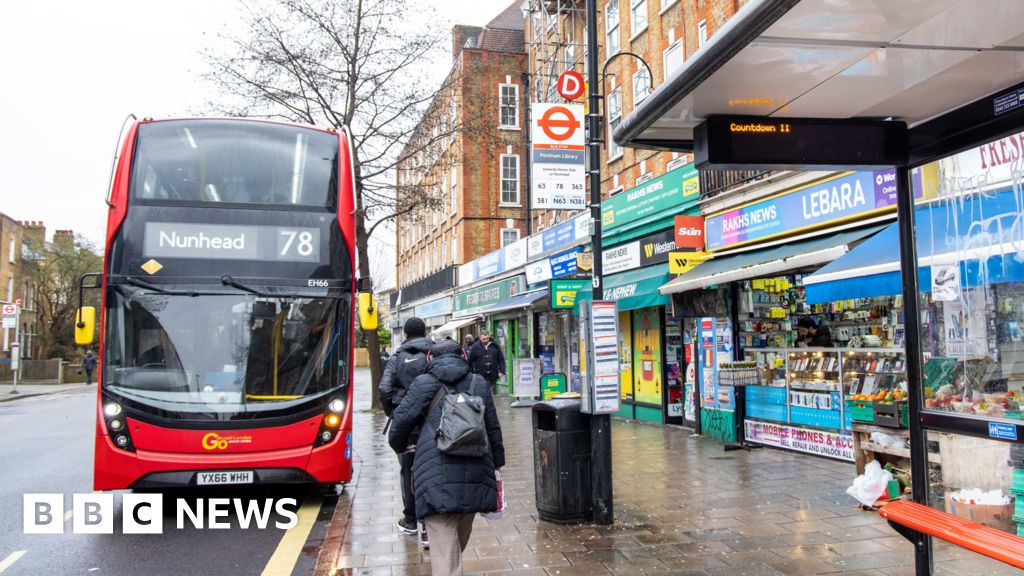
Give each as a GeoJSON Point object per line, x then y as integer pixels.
{"type": "Point", "coordinates": [142, 514]}
{"type": "Point", "coordinates": [42, 513]}
{"type": "Point", "coordinates": [93, 513]}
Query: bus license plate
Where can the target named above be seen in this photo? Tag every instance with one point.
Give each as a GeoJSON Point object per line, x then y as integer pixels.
{"type": "Point", "coordinates": [236, 477]}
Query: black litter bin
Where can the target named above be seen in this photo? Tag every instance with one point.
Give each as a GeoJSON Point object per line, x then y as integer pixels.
{"type": "Point", "coordinates": [561, 455]}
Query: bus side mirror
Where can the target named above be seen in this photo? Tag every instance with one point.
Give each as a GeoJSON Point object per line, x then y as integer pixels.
{"type": "Point", "coordinates": [85, 325]}
{"type": "Point", "coordinates": [367, 311]}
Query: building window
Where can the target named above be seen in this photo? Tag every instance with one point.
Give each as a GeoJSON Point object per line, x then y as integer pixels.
{"type": "Point", "coordinates": [637, 16]}
{"type": "Point", "coordinates": [10, 288]}
{"type": "Point", "coordinates": [455, 249]}
{"type": "Point", "coordinates": [611, 24]}
{"type": "Point", "coordinates": [553, 89]}
{"type": "Point", "coordinates": [614, 117]}
{"type": "Point", "coordinates": [508, 113]}
{"type": "Point", "coordinates": [453, 112]}
{"type": "Point", "coordinates": [455, 190]}
{"type": "Point", "coordinates": [673, 58]}
{"type": "Point", "coordinates": [10, 252]}
{"type": "Point", "coordinates": [641, 85]}
{"type": "Point", "coordinates": [570, 55]}
{"type": "Point", "coordinates": [444, 253]}
{"type": "Point", "coordinates": [509, 236]}
{"type": "Point", "coordinates": [510, 179]}
{"type": "Point", "coordinates": [702, 33]}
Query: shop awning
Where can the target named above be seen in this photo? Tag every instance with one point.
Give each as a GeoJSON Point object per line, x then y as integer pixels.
{"type": "Point", "coordinates": [909, 60]}
{"type": "Point", "coordinates": [637, 288]}
{"type": "Point", "coordinates": [982, 233]}
{"type": "Point", "coordinates": [515, 302]}
{"type": "Point", "coordinates": [452, 325]}
{"type": "Point", "coordinates": [768, 261]}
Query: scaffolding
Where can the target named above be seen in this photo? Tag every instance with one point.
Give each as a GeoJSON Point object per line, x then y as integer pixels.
{"type": "Point", "coordinates": [555, 42]}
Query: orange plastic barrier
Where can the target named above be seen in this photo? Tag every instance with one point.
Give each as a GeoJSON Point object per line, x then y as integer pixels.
{"type": "Point", "coordinates": [986, 541]}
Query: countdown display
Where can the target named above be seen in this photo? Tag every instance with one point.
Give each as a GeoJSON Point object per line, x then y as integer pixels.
{"type": "Point", "coordinates": [746, 142]}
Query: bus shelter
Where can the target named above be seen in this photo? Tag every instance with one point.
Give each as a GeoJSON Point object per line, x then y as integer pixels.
{"type": "Point", "coordinates": [859, 85]}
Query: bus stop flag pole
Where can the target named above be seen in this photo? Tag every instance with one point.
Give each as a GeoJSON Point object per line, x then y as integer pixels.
{"type": "Point", "coordinates": [600, 424]}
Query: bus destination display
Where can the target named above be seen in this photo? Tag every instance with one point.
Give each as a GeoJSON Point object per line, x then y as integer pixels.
{"type": "Point", "coordinates": [222, 241]}
{"type": "Point", "coordinates": [738, 142]}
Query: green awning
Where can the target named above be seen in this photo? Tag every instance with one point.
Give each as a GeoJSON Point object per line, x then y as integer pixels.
{"type": "Point", "coordinates": [637, 288]}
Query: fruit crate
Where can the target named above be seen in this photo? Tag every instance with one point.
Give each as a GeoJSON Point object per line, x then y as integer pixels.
{"type": "Point", "coordinates": [861, 411]}
{"type": "Point", "coordinates": [887, 415]}
{"type": "Point", "coordinates": [904, 415]}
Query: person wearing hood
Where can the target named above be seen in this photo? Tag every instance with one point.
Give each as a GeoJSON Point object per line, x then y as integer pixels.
{"type": "Point", "coordinates": [408, 362]}
{"type": "Point", "coordinates": [449, 490]}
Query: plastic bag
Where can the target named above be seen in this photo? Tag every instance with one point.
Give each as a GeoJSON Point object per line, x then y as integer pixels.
{"type": "Point", "coordinates": [502, 503]}
{"type": "Point", "coordinates": [871, 485]}
{"type": "Point", "coordinates": [886, 439]}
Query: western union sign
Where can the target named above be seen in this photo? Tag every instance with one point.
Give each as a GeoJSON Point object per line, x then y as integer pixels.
{"type": "Point", "coordinates": [683, 262]}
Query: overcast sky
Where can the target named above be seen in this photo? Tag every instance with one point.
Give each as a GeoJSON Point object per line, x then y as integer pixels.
{"type": "Point", "coordinates": [74, 70]}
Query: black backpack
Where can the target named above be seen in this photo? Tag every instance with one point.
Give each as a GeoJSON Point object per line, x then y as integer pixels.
{"type": "Point", "coordinates": [462, 430]}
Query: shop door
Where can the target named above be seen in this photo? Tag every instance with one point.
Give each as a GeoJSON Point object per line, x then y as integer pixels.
{"type": "Point", "coordinates": [648, 375]}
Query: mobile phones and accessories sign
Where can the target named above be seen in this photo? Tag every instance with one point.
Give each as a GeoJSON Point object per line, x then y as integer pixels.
{"type": "Point", "coordinates": [853, 196]}
{"type": "Point", "coordinates": [819, 442]}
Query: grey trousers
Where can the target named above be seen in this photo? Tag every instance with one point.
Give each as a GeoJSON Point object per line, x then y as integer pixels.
{"type": "Point", "coordinates": [449, 534]}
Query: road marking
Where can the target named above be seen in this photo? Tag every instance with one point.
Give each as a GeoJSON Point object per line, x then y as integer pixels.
{"type": "Point", "coordinates": [287, 553]}
{"type": "Point", "coordinates": [10, 560]}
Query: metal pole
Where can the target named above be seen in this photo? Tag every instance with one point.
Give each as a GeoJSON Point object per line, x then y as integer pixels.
{"type": "Point", "coordinates": [600, 424]}
{"type": "Point", "coordinates": [16, 350]}
{"type": "Point", "coordinates": [527, 154]}
{"type": "Point", "coordinates": [912, 346]}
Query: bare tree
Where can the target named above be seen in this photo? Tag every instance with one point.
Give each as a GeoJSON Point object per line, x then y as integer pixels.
{"type": "Point", "coordinates": [53, 273]}
{"type": "Point", "coordinates": [362, 65]}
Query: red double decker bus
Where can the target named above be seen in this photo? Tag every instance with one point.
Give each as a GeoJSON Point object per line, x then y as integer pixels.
{"type": "Point", "coordinates": [226, 318]}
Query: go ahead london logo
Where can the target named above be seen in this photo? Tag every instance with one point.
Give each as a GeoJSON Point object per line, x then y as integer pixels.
{"type": "Point", "coordinates": [144, 513]}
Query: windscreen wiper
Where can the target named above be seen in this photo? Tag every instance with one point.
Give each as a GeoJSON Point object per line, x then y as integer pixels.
{"type": "Point", "coordinates": [154, 288]}
{"type": "Point", "coordinates": [227, 280]}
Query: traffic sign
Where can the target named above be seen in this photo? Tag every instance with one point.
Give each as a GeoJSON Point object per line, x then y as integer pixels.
{"type": "Point", "coordinates": [10, 309]}
{"type": "Point", "coordinates": [17, 302]}
{"type": "Point", "coordinates": [570, 84]}
{"type": "Point", "coordinates": [558, 123]}
{"type": "Point", "coordinates": [559, 176]}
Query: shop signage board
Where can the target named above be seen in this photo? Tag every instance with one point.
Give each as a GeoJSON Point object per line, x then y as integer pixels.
{"type": "Point", "coordinates": [436, 307]}
{"type": "Point", "coordinates": [585, 261]}
{"type": "Point", "coordinates": [556, 266]}
{"type": "Point", "coordinates": [855, 195]}
{"type": "Point", "coordinates": [683, 262]}
{"type": "Point", "coordinates": [690, 232]}
{"type": "Point", "coordinates": [706, 363]}
{"type": "Point", "coordinates": [472, 300]}
{"type": "Point", "coordinates": [558, 237]}
{"type": "Point", "coordinates": [508, 258]}
{"type": "Point", "coordinates": [647, 251]}
{"type": "Point", "coordinates": [819, 442]}
{"type": "Point", "coordinates": [564, 293]}
{"type": "Point", "coordinates": [558, 175]}
{"type": "Point", "coordinates": [667, 192]}
{"type": "Point", "coordinates": [599, 344]}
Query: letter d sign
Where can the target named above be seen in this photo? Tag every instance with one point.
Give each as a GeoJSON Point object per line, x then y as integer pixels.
{"type": "Point", "coordinates": [570, 85]}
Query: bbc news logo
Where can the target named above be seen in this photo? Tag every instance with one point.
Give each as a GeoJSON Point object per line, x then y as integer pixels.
{"type": "Point", "coordinates": [144, 513]}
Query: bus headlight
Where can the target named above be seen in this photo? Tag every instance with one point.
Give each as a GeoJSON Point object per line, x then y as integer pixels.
{"type": "Point", "coordinates": [332, 420]}
{"type": "Point", "coordinates": [116, 425]}
{"type": "Point", "coordinates": [112, 409]}
{"type": "Point", "coordinates": [121, 440]}
{"type": "Point", "coordinates": [325, 435]}
{"type": "Point", "coordinates": [336, 405]}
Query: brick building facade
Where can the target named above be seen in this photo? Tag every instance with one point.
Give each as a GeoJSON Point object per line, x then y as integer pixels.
{"type": "Point", "coordinates": [465, 161]}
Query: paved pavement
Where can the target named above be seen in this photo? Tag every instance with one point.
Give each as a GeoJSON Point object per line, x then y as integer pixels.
{"type": "Point", "coordinates": [682, 506]}
{"type": "Point", "coordinates": [35, 389]}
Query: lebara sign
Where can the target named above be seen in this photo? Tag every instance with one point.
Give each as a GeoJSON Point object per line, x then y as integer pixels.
{"type": "Point", "coordinates": [853, 195]}
{"type": "Point", "coordinates": [179, 240]}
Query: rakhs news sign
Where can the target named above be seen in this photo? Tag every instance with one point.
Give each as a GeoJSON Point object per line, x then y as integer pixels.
{"type": "Point", "coordinates": [690, 232]}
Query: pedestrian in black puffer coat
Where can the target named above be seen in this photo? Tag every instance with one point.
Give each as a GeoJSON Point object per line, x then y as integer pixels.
{"type": "Point", "coordinates": [450, 490]}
